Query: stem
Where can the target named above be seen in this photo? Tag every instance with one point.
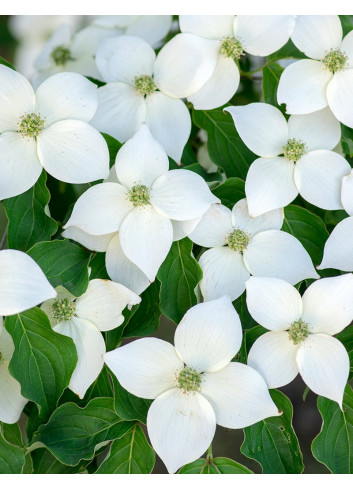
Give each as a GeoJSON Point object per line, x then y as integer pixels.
{"type": "Point", "coordinates": [306, 391]}
{"type": "Point", "coordinates": [3, 239]}
{"type": "Point", "coordinates": [209, 455]}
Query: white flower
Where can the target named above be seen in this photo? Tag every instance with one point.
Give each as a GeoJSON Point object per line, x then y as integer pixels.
{"type": "Point", "coordinates": [309, 85]}
{"type": "Point", "coordinates": [133, 95]}
{"type": "Point", "coordinates": [22, 285]}
{"type": "Point", "coordinates": [143, 203]}
{"type": "Point", "coordinates": [301, 332]}
{"type": "Point", "coordinates": [338, 252]}
{"type": "Point", "coordinates": [307, 166]}
{"type": "Point", "coordinates": [242, 245]}
{"type": "Point", "coordinates": [194, 384]}
{"type": "Point", "coordinates": [48, 129]}
{"type": "Point", "coordinates": [200, 63]}
{"type": "Point", "coordinates": [82, 319]}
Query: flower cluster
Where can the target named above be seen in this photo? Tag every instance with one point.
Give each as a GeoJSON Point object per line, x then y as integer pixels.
{"type": "Point", "coordinates": [224, 219]}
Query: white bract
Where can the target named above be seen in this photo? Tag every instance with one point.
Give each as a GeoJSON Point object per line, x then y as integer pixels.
{"type": "Point", "coordinates": [295, 157]}
{"type": "Point", "coordinates": [48, 129]}
{"type": "Point", "coordinates": [338, 251]}
{"type": "Point", "coordinates": [309, 85]}
{"type": "Point", "coordinates": [22, 285]}
{"type": "Point", "coordinates": [142, 205]}
{"type": "Point", "coordinates": [201, 62]}
{"type": "Point", "coordinates": [194, 384]}
{"type": "Point", "coordinates": [242, 245]}
{"type": "Point", "coordinates": [134, 94]}
{"type": "Point", "coordinates": [83, 318]}
{"type": "Point", "coordinates": [301, 332]}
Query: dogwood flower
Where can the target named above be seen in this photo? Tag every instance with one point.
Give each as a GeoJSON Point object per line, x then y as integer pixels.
{"type": "Point", "coordinates": [133, 95]}
{"type": "Point", "coordinates": [83, 318]}
{"type": "Point", "coordinates": [295, 157]}
{"type": "Point", "coordinates": [22, 285]}
{"type": "Point", "coordinates": [194, 384]}
{"type": "Point", "coordinates": [242, 245]}
{"type": "Point", "coordinates": [143, 203]}
{"type": "Point", "coordinates": [324, 80]}
{"type": "Point", "coordinates": [338, 248]}
{"type": "Point", "coordinates": [202, 59]}
{"type": "Point", "coordinates": [48, 129]}
{"type": "Point", "coordinates": [301, 332]}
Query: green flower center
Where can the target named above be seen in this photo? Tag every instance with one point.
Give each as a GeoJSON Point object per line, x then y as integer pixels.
{"type": "Point", "coordinates": [145, 85]}
{"type": "Point", "coordinates": [31, 125]}
{"type": "Point", "coordinates": [294, 149]}
{"type": "Point", "coordinates": [61, 55]}
{"type": "Point", "coordinates": [298, 331]}
{"type": "Point", "coordinates": [189, 380]}
{"type": "Point", "coordinates": [335, 60]}
{"type": "Point", "coordinates": [237, 240]}
{"type": "Point", "coordinates": [231, 47]}
{"type": "Point", "coordinates": [63, 309]}
{"type": "Point", "coordinates": [139, 195]}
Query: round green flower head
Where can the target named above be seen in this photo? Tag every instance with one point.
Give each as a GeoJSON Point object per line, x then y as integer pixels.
{"type": "Point", "coordinates": [61, 55]}
{"type": "Point", "coordinates": [31, 125]}
{"type": "Point", "coordinates": [139, 195]}
{"type": "Point", "coordinates": [189, 380]}
{"type": "Point", "coordinates": [145, 84]}
{"type": "Point", "coordinates": [298, 331]}
{"type": "Point", "coordinates": [335, 60]}
{"type": "Point", "coordinates": [294, 149]}
{"type": "Point", "coordinates": [231, 48]}
{"type": "Point", "coordinates": [238, 240]}
{"type": "Point", "coordinates": [63, 309]}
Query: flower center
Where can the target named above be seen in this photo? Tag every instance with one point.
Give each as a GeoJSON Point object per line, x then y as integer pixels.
{"type": "Point", "coordinates": [144, 84]}
{"type": "Point", "coordinates": [294, 149]}
{"type": "Point", "coordinates": [237, 240]}
{"type": "Point", "coordinates": [298, 331]}
{"type": "Point", "coordinates": [189, 380]}
{"type": "Point", "coordinates": [335, 60]}
{"type": "Point", "coordinates": [139, 195]}
{"type": "Point", "coordinates": [63, 309]}
{"type": "Point", "coordinates": [31, 125]}
{"type": "Point", "coordinates": [231, 47]}
{"type": "Point", "coordinates": [61, 55]}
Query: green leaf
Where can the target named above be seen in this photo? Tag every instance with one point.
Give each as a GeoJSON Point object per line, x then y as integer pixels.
{"type": "Point", "coordinates": [12, 458]}
{"type": "Point", "coordinates": [271, 75]}
{"type": "Point", "coordinates": [28, 221]}
{"type": "Point", "coordinates": [347, 140]}
{"type": "Point", "coordinates": [347, 23]}
{"type": "Point", "coordinates": [230, 192]}
{"type": "Point", "coordinates": [333, 445]}
{"type": "Point", "coordinates": [219, 465]}
{"type": "Point", "coordinates": [145, 320]}
{"type": "Point", "coordinates": [73, 433]}
{"type": "Point", "coordinates": [288, 51]}
{"type": "Point", "coordinates": [113, 146]}
{"type": "Point", "coordinates": [101, 387]}
{"type": "Point", "coordinates": [179, 275]}
{"type": "Point", "coordinates": [3, 61]}
{"type": "Point", "coordinates": [45, 463]}
{"type": "Point", "coordinates": [224, 144]}
{"type": "Point", "coordinates": [43, 361]}
{"type": "Point", "coordinates": [308, 228]}
{"type": "Point", "coordinates": [128, 406]}
{"type": "Point", "coordinates": [273, 442]}
{"type": "Point", "coordinates": [64, 263]}
{"type": "Point", "coordinates": [208, 177]}
{"type": "Point", "coordinates": [12, 434]}
{"type": "Point", "coordinates": [97, 266]}
{"type": "Point", "coordinates": [131, 454]}
{"type": "Point", "coordinates": [246, 319]}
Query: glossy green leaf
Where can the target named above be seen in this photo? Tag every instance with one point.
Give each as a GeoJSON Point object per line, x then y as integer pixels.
{"type": "Point", "coordinates": [145, 320]}
{"type": "Point", "coordinates": [308, 228]}
{"type": "Point", "coordinates": [346, 338]}
{"type": "Point", "coordinates": [208, 177]}
{"type": "Point", "coordinates": [73, 433]}
{"type": "Point", "coordinates": [270, 79]}
{"type": "Point", "coordinates": [43, 361]}
{"type": "Point", "coordinates": [288, 51]}
{"type": "Point", "coordinates": [224, 144]}
{"type": "Point", "coordinates": [28, 220]}
{"type": "Point", "coordinates": [179, 274]}
{"type": "Point", "coordinates": [113, 147]}
{"type": "Point", "coordinates": [3, 61]}
{"type": "Point", "coordinates": [219, 465]}
{"type": "Point", "coordinates": [97, 266]}
{"type": "Point", "coordinates": [128, 406]}
{"type": "Point", "coordinates": [333, 445]}
{"type": "Point", "coordinates": [246, 319]}
{"type": "Point", "coordinates": [230, 192]}
{"type": "Point", "coordinates": [273, 442]}
{"type": "Point", "coordinates": [45, 463]}
{"type": "Point", "coordinates": [131, 454]}
{"type": "Point", "coordinates": [12, 457]}
{"type": "Point", "coordinates": [64, 263]}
